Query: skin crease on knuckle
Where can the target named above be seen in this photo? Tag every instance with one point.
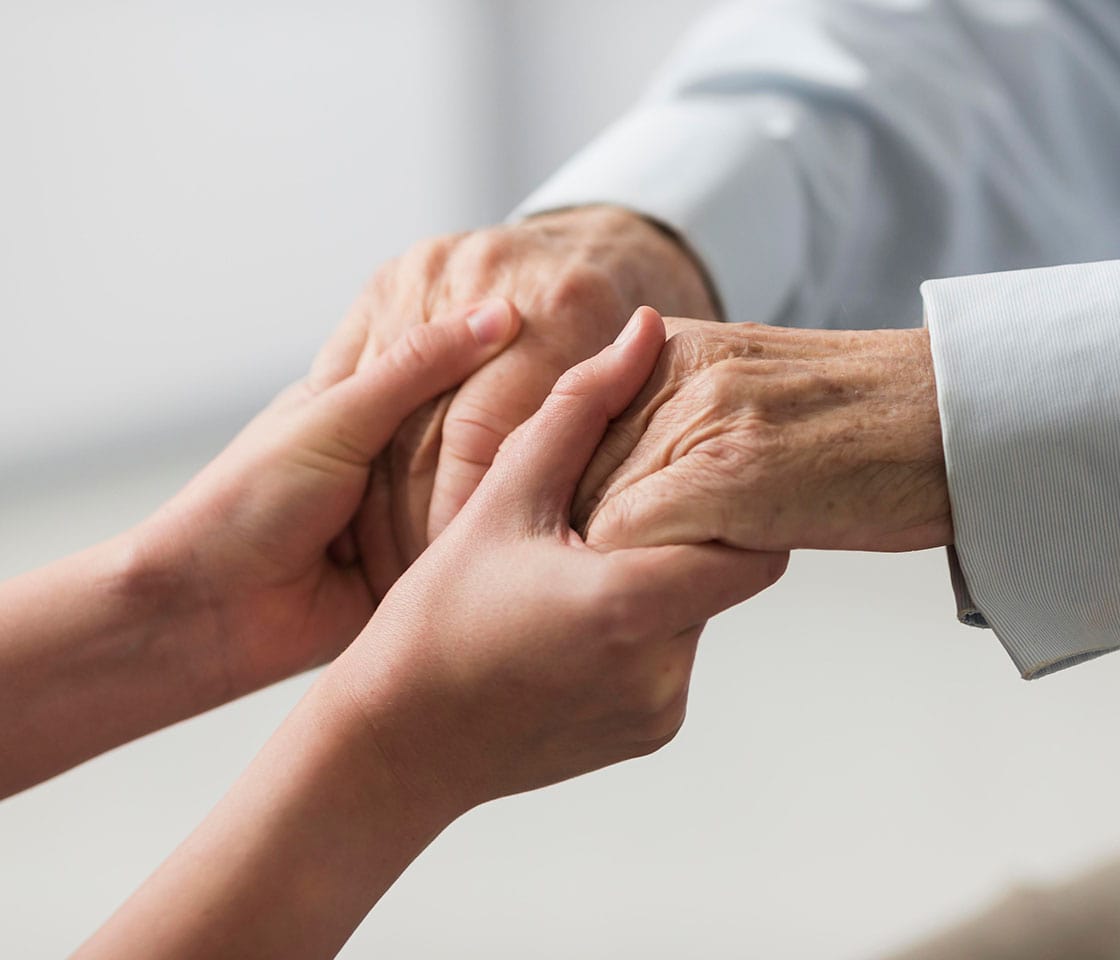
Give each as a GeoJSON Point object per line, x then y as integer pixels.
{"type": "Point", "coordinates": [577, 385]}
{"type": "Point", "coordinates": [413, 351]}
{"type": "Point", "coordinates": [471, 430]}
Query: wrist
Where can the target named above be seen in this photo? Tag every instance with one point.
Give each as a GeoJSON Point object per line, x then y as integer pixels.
{"type": "Point", "coordinates": [890, 375]}
{"type": "Point", "coordinates": [931, 490]}
{"type": "Point", "coordinates": [385, 718]}
{"type": "Point", "coordinates": [114, 659]}
{"type": "Point", "coordinates": [293, 857]}
{"type": "Point", "coordinates": [157, 574]}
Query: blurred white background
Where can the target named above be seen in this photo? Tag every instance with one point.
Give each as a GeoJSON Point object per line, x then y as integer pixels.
{"type": "Point", "coordinates": [191, 193]}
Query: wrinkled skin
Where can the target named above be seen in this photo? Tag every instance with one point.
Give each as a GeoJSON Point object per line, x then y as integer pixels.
{"type": "Point", "coordinates": [771, 439]}
{"type": "Point", "coordinates": [574, 277]}
{"type": "Point", "coordinates": [511, 655]}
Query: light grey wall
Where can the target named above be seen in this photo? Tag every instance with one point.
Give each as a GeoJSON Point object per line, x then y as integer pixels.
{"type": "Point", "coordinates": [192, 193]}
{"type": "Point", "coordinates": [574, 67]}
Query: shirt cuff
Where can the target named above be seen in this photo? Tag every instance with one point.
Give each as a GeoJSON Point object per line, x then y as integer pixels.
{"type": "Point", "coordinates": [716, 171]}
{"type": "Point", "coordinates": [1026, 365]}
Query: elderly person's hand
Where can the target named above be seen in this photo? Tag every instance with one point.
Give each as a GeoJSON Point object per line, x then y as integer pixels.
{"type": "Point", "coordinates": [770, 439]}
{"type": "Point", "coordinates": [574, 276]}
{"type": "Point", "coordinates": [510, 656]}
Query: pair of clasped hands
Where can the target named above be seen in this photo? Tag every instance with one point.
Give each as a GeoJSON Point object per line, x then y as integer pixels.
{"type": "Point", "coordinates": [505, 519]}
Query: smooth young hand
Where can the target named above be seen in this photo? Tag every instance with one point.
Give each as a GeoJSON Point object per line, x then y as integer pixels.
{"type": "Point", "coordinates": [510, 656]}
{"type": "Point", "coordinates": [256, 570]}
{"type": "Point", "coordinates": [264, 537]}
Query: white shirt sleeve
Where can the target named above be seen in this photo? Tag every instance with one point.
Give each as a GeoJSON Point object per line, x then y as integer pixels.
{"type": "Point", "coordinates": [1031, 423]}
{"type": "Point", "coordinates": [824, 157]}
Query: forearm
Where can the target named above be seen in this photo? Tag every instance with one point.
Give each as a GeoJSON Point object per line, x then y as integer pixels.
{"type": "Point", "coordinates": [291, 860]}
{"type": "Point", "coordinates": [96, 650]}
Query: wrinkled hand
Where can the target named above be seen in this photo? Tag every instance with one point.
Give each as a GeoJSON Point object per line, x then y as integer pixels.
{"type": "Point", "coordinates": [771, 439]}
{"type": "Point", "coordinates": [511, 655]}
{"type": "Point", "coordinates": [573, 276]}
{"type": "Point", "coordinates": [256, 541]}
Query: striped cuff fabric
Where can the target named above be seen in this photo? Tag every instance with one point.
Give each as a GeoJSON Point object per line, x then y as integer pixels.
{"type": "Point", "coordinates": [1028, 381]}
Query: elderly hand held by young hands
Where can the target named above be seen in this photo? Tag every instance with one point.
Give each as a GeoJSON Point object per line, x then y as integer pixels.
{"type": "Point", "coordinates": [573, 277]}
{"type": "Point", "coordinates": [770, 438]}
{"type": "Point", "coordinates": [510, 656]}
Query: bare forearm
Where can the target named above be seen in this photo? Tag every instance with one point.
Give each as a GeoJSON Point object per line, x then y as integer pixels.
{"type": "Point", "coordinates": [292, 859]}
{"type": "Point", "coordinates": [95, 650]}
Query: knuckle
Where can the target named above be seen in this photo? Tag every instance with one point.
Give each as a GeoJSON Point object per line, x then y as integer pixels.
{"type": "Point", "coordinates": [583, 287]}
{"type": "Point", "coordinates": [776, 567]}
{"type": "Point", "coordinates": [678, 326]}
{"type": "Point", "coordinates": [623, 607]}
{"type": "Point", "coordinates": [610, 520]}
{"type": "Point", "coordinates": [576, 383]}
{"type": "Point", "coordinates": [618, 443]}
{"type": "Point", "coordinates": [658, 732]}
{"type": "Point", "coordinates": [483, 253]}
{"type": "Point", "coordinates": [661, 694]}
{"type": "Point", "coordinates": [575, 396]}
{"type": "Point", "coordinates": [474, 432]}
{"type": "Point", "coordinates": [417, 349]}
{"type": "Point", "coordinates": [380, 283]}
{"type": "Point", "coordinates": [726, 386]}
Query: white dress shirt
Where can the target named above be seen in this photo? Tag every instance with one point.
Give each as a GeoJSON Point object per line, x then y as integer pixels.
{"type": "Point", "coordinates": [825, 157]}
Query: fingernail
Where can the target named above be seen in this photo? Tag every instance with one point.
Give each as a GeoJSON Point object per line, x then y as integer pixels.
{"type": "Point", "coordinates": [629, 330]}
{"type": "Point", "coordinates": [491, 321]}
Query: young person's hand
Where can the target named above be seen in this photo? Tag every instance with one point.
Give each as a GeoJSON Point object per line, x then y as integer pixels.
{"type": "Point", "coordinates": [250, 574]}
{"type": "Point", "coordinates": [262, 540]}
{"type": "Point", "coordinates": [510, 656]}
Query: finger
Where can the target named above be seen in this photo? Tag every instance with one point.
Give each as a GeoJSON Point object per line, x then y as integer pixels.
{"type": "Point", "coordinates": [354, 420]}
{"type": "Point", "coordinates": [488, 408]}
{"type": "Point", "coordinates": [625, 438]}
{"type": "Point", "coordinates": [413, 455]}
{"type": "Point", "coordinates": [674, 505]}
{"type": "Point", "coordinates": [681, 586]}
{"type": "Point", "coordinates": [338, 357]}
{"type": "Point", "coordinates": [620, 442]}
{"type": "Point", "coordinates": [547, 455]}
{"type": "Point", "coordinates": [377, 544]}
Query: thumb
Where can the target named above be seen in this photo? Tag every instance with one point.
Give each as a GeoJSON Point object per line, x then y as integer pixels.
{"type": "Point", "coordinates": [354, 419]}
{"type": "Point", "coordinates": [542, 461]}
